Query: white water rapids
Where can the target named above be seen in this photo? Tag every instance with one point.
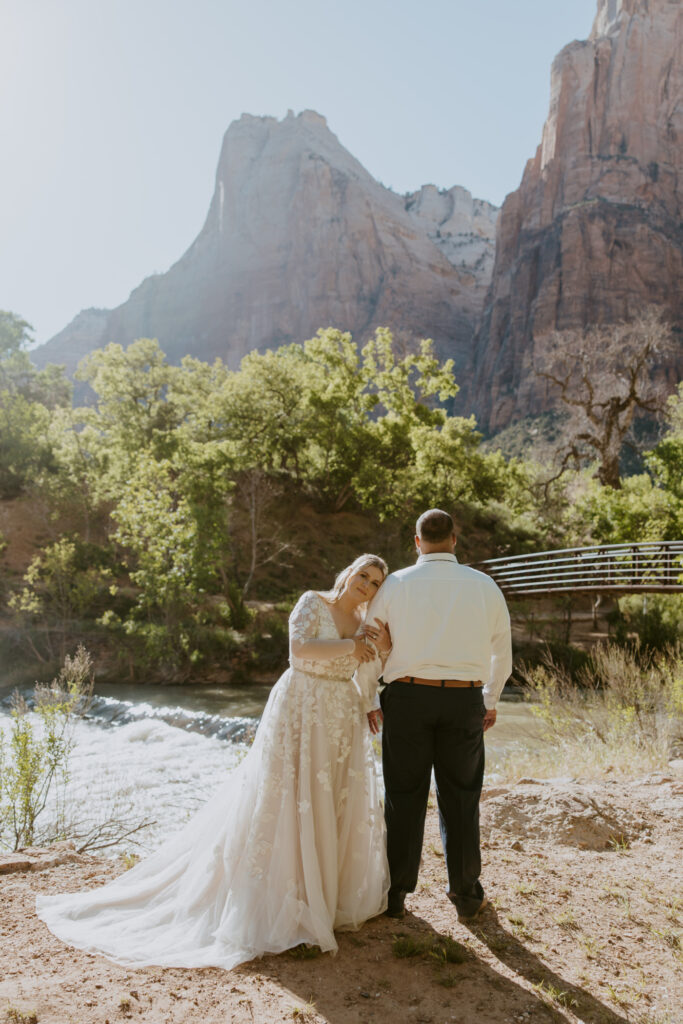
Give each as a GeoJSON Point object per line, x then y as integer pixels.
{"type": "Point", "coordinates": [138, 761]}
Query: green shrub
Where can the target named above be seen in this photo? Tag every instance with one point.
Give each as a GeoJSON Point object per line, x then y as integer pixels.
{"type": "Point", "coordinates": [655, 619]}
{"type": "Point", "coordinates": [271, 643]}
{"type": "Point", "coordinates": [33, 759]}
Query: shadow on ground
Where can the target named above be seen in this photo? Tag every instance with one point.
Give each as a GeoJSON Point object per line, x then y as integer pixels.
{"type": "Point", "coordinates": [367, 982]}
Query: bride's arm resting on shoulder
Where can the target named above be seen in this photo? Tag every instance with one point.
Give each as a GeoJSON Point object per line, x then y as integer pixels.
{"type": "Point", "coordinates": [304, 627]}
{"type": "Point", "coordinates": [325, 650]}
{"type": "Point", "coordinates": [378, 634]}
{"type": "Point", "coordinates": [366, 678]}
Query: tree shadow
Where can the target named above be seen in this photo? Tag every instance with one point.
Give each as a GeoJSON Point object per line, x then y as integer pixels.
{"type": "Point", "coordinates": [368, 983]}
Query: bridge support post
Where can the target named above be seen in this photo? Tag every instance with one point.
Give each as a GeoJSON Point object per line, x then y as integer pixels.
{"type": "Point", "coordinates": [597, 601]}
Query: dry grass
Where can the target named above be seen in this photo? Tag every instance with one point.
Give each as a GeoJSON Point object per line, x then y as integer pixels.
{"type": "Point", "coordinates": [625, 717]}
{"type": "Point", "coordinates": [15, 1016]}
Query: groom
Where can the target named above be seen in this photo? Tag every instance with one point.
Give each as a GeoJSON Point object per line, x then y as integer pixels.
{"type": "Point", "coordinates": [450, 659]}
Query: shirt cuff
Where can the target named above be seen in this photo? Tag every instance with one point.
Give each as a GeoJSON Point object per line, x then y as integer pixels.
{"type": "Point", "coordinates": [492, 692]}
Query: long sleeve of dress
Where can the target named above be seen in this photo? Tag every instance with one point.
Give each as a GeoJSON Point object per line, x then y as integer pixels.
{"type": "Point", "coordinates": [365, 678]}
{"type": "Point", "coordinates": [304, 626]}
{"type": "Point", "coordinates": [367, 674]}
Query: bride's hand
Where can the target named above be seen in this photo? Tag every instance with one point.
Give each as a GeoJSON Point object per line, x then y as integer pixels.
{"type": "Point", "coordinates": [379, 634]}
{"type": "Point", "coordinates": [361, 650]}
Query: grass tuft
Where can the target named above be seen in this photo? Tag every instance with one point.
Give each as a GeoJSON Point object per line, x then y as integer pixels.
{"type": "Point", "coordinates": [304, 951]}
{"type": "Point", "coordinates": [448, 979]}
{"type": "Point", "coordinates": [305, 1014]}
{"type": "Point", "coordinates": [524, 889]}
{"type": "Point", "coordinates": [671, 937]}
{"type": "Point", "coordinates": [441, 948]}
{"type": "Point", "coordinates": [555, 995]}
{"type": "Point", "coordinates": [13, 1015]}
{"type": "Point", "coordinates": [566, 920]}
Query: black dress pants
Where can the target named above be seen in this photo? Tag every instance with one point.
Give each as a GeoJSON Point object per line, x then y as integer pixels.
{"type": "Point", "coordinates": [429, 727]}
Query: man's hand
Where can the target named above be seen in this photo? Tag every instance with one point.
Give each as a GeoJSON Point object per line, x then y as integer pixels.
{"type": "Point", "coordinates": [375, 719]}
{"type": "Point", "coordinates": [490, 718]}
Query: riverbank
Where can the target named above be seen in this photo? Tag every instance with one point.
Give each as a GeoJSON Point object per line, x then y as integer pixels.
{"type": "Point", "coordinates": [585, 881]}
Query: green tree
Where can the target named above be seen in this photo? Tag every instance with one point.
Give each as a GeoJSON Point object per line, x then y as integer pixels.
{"type": "Point", "coordinates": [172, 556]}
{"type": "Point", "coordinates": [59, 588]}
{"type": "Point", "coordinates": [665, 461]}
{"type": "Point", "coordinates": [26, 397]}
{"type": "Point", "coordinates": [638, 511]}
{"type": "Point", "coordinates": [132, 413]}
{"type": "Point", "coordinates": [347, 424]}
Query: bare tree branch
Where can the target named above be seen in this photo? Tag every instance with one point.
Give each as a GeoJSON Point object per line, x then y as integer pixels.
{"type": "Point", "coordinates": [604, 378]}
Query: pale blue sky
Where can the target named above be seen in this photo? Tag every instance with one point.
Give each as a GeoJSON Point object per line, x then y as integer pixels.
{"type": "Point", "coordinates": [112, 114]}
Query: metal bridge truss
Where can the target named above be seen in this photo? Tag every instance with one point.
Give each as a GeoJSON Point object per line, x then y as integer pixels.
{"type": "Point", "coordinates": [650, 567]}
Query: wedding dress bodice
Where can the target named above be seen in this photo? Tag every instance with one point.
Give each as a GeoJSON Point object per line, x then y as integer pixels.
{"type": "Point", "coordinates": [312, 619]}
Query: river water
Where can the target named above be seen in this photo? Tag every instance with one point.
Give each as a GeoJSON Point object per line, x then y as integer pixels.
{"type": "Point", "coordinates": [155, 753]}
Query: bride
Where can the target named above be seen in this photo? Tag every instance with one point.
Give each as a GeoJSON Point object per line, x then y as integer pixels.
{"type": "Point", "coordinates": [291, 846]}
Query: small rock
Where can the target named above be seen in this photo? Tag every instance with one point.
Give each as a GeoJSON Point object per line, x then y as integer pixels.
{"type": "Point", "coordinates": [14, 862]}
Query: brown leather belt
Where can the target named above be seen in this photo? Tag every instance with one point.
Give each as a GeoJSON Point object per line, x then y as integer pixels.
{"type": "Point", "coordinates": [438, 682]}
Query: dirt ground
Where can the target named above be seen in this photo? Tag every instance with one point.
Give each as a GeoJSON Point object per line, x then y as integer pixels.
{"type": "Point", "coordinates": [586, 888]}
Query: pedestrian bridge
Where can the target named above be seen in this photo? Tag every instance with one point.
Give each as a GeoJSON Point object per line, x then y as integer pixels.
{"type": "Point", "coordinates": [653, 567]}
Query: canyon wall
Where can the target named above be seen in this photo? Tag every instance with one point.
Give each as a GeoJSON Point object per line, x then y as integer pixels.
{"type": "Point", "coordinates": [594, 232]}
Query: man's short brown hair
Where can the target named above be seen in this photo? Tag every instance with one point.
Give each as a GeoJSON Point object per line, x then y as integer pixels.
{"type": "Point", "coordinates": [434, 526]}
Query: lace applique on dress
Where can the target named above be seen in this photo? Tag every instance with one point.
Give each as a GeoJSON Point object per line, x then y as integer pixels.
{"type": "Point", "coordinates": [311, 619]}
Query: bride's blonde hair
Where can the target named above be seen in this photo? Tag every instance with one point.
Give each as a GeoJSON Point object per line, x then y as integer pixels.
{"type": "Point", "coordinates": [359, 563]}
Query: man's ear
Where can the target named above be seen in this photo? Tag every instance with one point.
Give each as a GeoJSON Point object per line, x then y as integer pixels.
{"type": "Point", "coordinates": [455, 540]}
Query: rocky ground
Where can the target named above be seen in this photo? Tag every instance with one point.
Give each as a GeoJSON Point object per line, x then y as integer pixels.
{"type": "Point", "coordinates": [585, 881]}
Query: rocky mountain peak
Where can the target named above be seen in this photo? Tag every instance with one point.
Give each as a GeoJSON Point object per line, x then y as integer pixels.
{"type": "Point", "coordinates": [300, 236]}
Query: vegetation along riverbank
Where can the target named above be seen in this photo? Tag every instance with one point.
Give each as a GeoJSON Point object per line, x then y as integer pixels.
{"type": "Point", "coordinates": [170, 520]}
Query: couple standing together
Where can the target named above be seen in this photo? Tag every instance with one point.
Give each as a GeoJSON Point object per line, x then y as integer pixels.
{"type": "Point", "coordinates": [292, 846]}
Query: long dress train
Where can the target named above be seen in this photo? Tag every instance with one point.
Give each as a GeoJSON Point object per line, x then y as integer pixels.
{"type": "Point", "coordinates": [290, 848]}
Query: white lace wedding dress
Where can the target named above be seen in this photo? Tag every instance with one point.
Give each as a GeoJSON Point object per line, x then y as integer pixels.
{"type": "Point", "coordinates": [289, 849]}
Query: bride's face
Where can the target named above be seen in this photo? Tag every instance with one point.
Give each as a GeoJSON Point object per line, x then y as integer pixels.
{"type": "Point", "coordinates": [364, 584]}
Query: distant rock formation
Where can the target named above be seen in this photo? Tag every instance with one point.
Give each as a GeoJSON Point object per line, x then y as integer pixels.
{"type": "Point", "coordinates": [300, 236]}
{"type": "Point", "coordinates": [594, 232]}
{"type": "Point", "coordinates": [463, 228]}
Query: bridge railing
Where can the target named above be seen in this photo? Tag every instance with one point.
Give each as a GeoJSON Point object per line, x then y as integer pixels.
{"type": "Point", "coordinates": [650, 567]}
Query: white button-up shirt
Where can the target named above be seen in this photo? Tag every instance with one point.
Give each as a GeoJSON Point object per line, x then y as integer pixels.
{"type": "Point", "coordinates": [447, 621]}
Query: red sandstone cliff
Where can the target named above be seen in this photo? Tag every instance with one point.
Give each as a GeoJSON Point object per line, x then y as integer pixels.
{"type": "Point", "coordinates": [300, 236]}
{"type": "Point", "coordinates": [594, 231]}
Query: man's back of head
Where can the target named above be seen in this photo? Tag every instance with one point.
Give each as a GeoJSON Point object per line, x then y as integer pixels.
{"type": "Point", "coordinates": [435, 531]}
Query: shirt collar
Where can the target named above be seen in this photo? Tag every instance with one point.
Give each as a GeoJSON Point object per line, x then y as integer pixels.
{"type": "Point", "coordinates": [436, 556]}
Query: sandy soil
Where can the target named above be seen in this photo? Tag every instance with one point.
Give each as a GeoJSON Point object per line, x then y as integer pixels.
{"type": "Point", "coordinates": [586, 888]}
